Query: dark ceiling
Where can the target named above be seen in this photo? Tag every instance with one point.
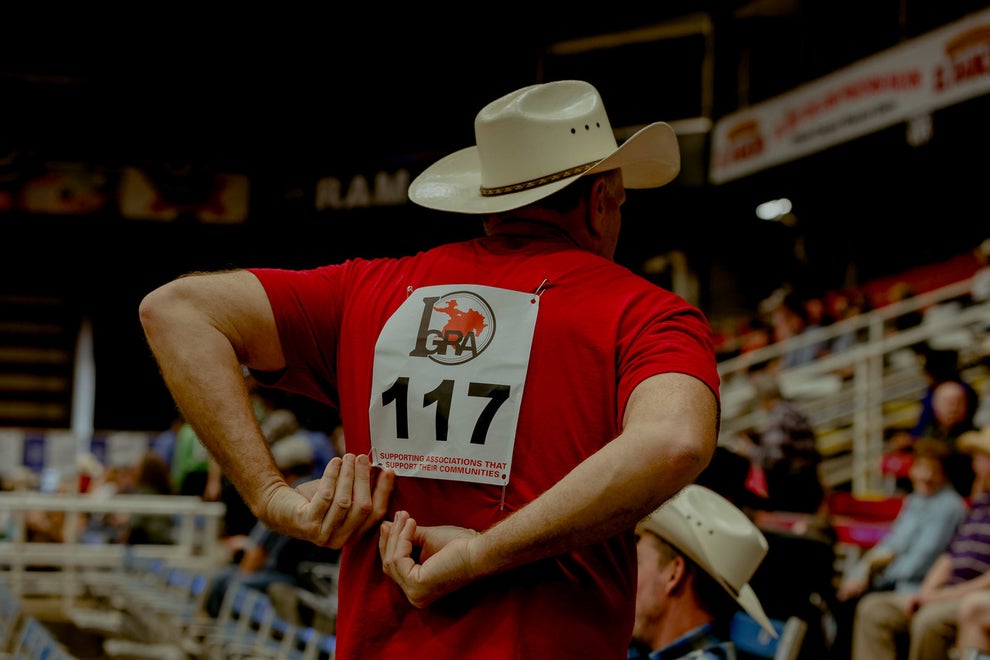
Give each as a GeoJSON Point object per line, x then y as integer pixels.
{"type": "Point", "coordinates": [303, 92]}
{"type": "Point", "coordinates": [298, 86]}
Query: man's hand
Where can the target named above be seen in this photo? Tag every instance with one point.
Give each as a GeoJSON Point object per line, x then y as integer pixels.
{"type": "Point", "coordinates": [444, 558]}
{"type": "Point", "coordinates": [342, 505]}
{"type": "Point", "coordinates": [852, 587]}
{"type": "Point", "coordinates": [913, 603]}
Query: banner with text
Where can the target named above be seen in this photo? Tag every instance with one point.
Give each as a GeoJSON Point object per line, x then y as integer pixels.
{"type": "Point", "coordinates": [943, 67]}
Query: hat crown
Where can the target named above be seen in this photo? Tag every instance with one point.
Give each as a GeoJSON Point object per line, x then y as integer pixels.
{"type": "Point", "coordinates": [727, 539]}
{"type": "Point", "coordinates": [713, 532]}
{"type": "Point", "coordinates": [540, 131]}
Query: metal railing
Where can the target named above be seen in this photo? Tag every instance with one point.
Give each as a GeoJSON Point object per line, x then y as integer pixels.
{"type": "Point", "coordinates": [854, 396]}
{"type": "Point", "coordinates": [56, 568]}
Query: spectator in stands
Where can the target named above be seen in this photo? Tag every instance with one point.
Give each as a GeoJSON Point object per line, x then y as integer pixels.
{"type": "Point", "coordinates": [269, 557]}
{"type": "Point", "coordinates": [163, 443]}
{"type": "Point", "coordinates": [848, 304]}
{"type": "Point", "coordinates": [43, 526]}
{"type": "Point", "coordinates": [755, 334]}
{"type": "Point", "coordinates": [900, 292]}
{"type": "Point", "coordinates": [952, 413]}
{"type": "Point", "coordinates": [818, 312]}
{"type": "Point", "coordinates": [728, 474]}
{"type": "Point", "coordinates": [789, 319]}
{"type": "Point", "coordinates": [919, 535]}
{"type": "Point", "coordinates": [941, 366]}
{"type": "Point", "coordinates": [696, 554]}
{"type": "Point", "coordinates": [786, 450]}
{"type": "Point", "coordinates": [39, 525]}
{"type": "Point", "coordinates": [953, 409]}
{"type": "Point", "coordinates": [152, 477]}
{"type": "Point", "coordinates": [190, 462]}
{"type": "Point", "coordinates": [928, 615]}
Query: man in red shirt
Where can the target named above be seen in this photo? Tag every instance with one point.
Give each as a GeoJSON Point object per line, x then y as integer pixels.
{"type": "Point", "coordinates": [512, 404]}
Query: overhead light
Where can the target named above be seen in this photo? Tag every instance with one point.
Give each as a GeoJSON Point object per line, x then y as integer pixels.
{"type": "Point", "coordinates": [920, 130]}
{"type": "Point", "coordinates": [775, 209]}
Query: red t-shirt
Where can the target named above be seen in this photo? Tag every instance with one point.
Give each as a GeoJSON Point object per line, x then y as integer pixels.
{"type": "Point", "coordinates": [600, 331]}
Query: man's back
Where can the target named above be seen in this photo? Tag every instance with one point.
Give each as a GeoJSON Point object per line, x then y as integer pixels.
{"type": "Point", "coordinates": [599, 331]}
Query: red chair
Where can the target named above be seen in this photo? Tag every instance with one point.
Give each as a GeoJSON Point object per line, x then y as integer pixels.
{"type": "Point", "coordinates": [862, 521]}
{"type": "Point", "coordinates": [871, 507]}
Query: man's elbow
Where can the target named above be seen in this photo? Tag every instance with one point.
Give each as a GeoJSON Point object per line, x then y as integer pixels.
{"type": "Point", "coordinates": [688, 453]}
{"type": "Point", "coordinates": [152, 311]}
{"type": "Point", "coordinates": [693, 457]}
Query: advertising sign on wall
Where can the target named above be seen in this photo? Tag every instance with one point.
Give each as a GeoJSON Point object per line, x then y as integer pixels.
{"type": "Point", "coordinates": [941, 68]}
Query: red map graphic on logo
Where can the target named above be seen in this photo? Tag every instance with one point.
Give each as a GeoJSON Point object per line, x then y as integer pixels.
{"type": "Point", "coordinates": [460, 321]}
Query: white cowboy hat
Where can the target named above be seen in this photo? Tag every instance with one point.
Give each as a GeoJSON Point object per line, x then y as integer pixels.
{"type": "Point", "coordinates": [718, 537]}
{"type": "Point", "coordinates": [537, 140]}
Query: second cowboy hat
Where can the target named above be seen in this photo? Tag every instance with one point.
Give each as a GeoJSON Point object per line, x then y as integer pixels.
{"type": "Point", "coordinates": [718, 537]}
{"type": "Point", "coordinates": [537, 140]}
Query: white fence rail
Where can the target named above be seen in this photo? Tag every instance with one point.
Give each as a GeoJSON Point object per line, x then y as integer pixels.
{"type": "Point", "coordinates": [55, 568]}
{"type": "Point", "coordinates": [852, 413]}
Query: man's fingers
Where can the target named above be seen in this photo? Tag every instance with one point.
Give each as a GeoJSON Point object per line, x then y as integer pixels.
{"type": "Point", "coordinates": [391, 543]}
{"type": "Point", "coordinates": [335, 493]}
{"type": "Point", "coordinates": [353, 510]}
{"type": "Point", "coordinates": [344, 505]}
{"type": "Point", "coordinates": [323, 497]}
{"type": "Point", "coordinates": [384, 483]}
{"type": "Point", "coordinates": [332, 470]}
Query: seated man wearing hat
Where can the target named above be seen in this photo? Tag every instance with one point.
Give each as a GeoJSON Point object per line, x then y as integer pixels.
{"type": "Point", "coordinates": [697, 554]}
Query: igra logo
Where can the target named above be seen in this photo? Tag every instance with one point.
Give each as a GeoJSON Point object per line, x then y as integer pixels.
{"type": "Point", "coordinates": [454, 328]}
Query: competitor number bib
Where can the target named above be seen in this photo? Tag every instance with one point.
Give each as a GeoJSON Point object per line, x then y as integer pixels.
{"type": "Point", "coordinates": [447, 385]}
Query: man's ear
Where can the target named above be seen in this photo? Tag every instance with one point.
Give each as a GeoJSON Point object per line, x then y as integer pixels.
{"type": "Point", "coordinates": [677, 576]}
{"type": "Point", "coordinates": [597, 206]}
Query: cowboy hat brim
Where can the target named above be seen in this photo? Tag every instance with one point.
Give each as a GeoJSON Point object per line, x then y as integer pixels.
{"type": "Point", "coordinates": [648, 159]}
{"type": "Point", "coordinates": [751, 604]}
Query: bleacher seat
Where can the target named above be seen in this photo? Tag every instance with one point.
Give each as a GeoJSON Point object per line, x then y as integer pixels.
{"type": "Point", "coordinates": [36, 642]}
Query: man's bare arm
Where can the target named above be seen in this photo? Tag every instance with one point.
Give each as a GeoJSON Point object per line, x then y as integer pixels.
{"type": "Point", "coordinates": [201, 329]}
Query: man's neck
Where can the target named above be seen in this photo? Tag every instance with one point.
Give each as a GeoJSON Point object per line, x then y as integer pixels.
{"type": "Point", "coordinates": [527, 227]}
{"type": "Point", "coordinates": [678, 623]}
